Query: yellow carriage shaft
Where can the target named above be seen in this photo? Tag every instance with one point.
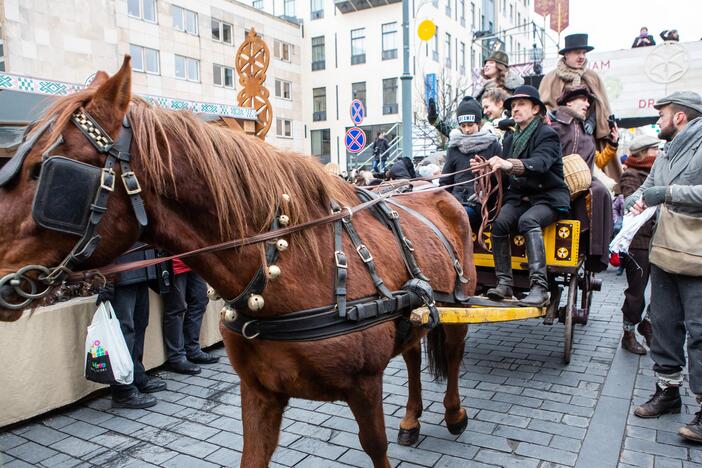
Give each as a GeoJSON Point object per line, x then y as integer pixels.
{"type": "Point", "coordinates": [561, 242]}
{"type": "Point", "coordinates": [464, 315]}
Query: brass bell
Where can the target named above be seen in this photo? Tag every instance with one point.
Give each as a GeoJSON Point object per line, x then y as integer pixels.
{"type": "Point", "coordinates": [286, 197]}
{"type": "Point", "coordinates": [228, 314]}
{"type": "Point", "coordinates": [273, 272]}
{"type": "Point", "coordinates": [281, 244]}
{"type": "Point", "coordinates": [284, 220]}
{"type": "Point", "coordinates": [255, 302]}
{"type": "Point", "coordinates": [212, 294]}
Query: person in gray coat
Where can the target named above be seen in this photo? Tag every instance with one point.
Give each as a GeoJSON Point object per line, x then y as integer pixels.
{"type": "Point", "coordinates": [676, 181]}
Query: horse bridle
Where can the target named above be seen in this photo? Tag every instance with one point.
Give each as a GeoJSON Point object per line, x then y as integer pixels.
{"type": "Point", "coordinates": [91, 181]}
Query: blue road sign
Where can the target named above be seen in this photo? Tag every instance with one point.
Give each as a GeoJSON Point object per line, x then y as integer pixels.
{"type": "Point", "coordinates": [357, 111]}
{"type": "Point", "coordinates": [355, 139]}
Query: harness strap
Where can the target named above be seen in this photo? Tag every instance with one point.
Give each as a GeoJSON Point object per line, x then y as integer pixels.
{"type": "Point", "coordinates": [366, 256]}
{"type": "Point", "coordinates": [393, 221]}
{"type": "Point", "coordinates": [341, 263]}
{"type": "Point", "coordinates": [460, 279]}
{"type": "Point", "coordinates": [131, 184]}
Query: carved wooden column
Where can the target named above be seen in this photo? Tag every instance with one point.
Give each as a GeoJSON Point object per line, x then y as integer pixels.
{"type": "Point", "coordinates": [252, 60]}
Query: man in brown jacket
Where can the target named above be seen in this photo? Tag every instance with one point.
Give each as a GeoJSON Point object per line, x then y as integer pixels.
{"type": "Point", "coordinates": [644, 150]}
{"type": "Point", "coordinates": [571, 70]}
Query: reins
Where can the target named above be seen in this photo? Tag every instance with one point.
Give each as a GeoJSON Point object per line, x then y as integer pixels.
{"type": "Point", "coordinates": [346, 212]}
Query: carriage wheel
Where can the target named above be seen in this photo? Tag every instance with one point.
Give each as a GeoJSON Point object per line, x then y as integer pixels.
{"type": "Point", "coordinates": [586, 298]}
{"type": "Point", "coordinates": [568, 319]}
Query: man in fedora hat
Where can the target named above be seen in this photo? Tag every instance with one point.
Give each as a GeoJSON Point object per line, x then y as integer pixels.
{"type": "Point", "coordinates": [571, 70]}
{"type": "Point", "coordinates": [675, 182]}
{"type": "Point", "coordinates": [569, 122]}
{"type": "Point", "coordinates": [536, 194]}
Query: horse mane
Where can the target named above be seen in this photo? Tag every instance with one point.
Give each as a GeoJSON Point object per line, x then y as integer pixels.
{"type": "Point", "coordinates": [246, 176]}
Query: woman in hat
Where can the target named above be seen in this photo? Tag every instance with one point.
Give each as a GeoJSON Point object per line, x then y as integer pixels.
{"type": "Point", "coordinates": [536, 194]}
{"type": "Point", "coordinates": [643, 149]}
{"type": "Point", "coordinates": [465, 142]}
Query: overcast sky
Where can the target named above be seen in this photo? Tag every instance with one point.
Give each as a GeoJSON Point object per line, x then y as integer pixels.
{"type": "Point", "coordinates": [613, 24]}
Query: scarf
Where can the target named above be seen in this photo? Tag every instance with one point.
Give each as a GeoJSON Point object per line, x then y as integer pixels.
{"type": "Point", "coordinates": [637, 162]}
{"type": "Point", "coordinates": [686, 140]}
{"type": "Point", "coordinates": [571, 112]}
{"type": "Point", "coordinates": [522, 137]}
{"type": "Point", "coordinates": [471, 144]}
{"type": "Point", "coordinates": [572, 76]}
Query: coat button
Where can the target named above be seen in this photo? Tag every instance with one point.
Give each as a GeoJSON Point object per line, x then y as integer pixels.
{"type": "Point", "coordinates": [541, 186]}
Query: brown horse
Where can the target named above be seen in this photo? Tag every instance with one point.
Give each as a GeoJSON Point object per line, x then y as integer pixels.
{"type": "Point", "coordinates": [202, 185]}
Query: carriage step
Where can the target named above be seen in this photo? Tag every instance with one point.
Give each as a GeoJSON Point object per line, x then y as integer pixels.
{"type": "Point", "coordinates": [465, 315]}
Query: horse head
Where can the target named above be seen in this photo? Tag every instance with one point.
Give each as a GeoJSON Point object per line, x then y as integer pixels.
{"type": "Point", "coordinates": [59, 158]}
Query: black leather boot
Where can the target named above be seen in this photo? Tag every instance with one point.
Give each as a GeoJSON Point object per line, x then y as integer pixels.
{"type": "Point", "coordinates": [663, 401]}
{"type": "Point", "coordinates": [538, 293]}
{"type": "Point", "coordinates": [693, 430]}
{"type": "Point", "coordinates": [502, 254]}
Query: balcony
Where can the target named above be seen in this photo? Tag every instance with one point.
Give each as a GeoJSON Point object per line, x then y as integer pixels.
{"type": "Point", "coordinates": [350, 6]}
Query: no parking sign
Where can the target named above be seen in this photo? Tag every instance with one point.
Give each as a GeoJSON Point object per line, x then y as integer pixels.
{"type": "Point", "coordinates": [355, 140]}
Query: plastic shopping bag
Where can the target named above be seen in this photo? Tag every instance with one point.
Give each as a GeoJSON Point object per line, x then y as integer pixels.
{"type": "Point", "coordinates": [107, 359]}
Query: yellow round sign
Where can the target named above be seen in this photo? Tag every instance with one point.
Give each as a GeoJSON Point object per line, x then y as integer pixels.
{"type": "Point", "coordinates": [426, 30]}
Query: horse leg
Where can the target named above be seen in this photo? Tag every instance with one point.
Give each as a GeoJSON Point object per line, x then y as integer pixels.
{"type": "Point", "coordinates": [366, 403]}
{"type": "Point", "coordinates": [409, 426]}
{"type": "Point", "coordinates": [456, 417]}
{"type": "Point", "coordinates": [262, 414]}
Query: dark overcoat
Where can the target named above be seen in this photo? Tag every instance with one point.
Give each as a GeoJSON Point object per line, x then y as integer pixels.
{"type": "Point", "coordinates": [542, 182]}
{"type": "Point", "coordinates": [456, 161]}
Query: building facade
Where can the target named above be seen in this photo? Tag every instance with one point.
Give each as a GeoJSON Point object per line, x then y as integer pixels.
{"type": "Point", "coordinates": [182, 50]}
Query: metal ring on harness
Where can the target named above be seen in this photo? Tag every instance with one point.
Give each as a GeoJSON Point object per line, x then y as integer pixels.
{"type": "Point", "coordinates": [243, 331]}
{"type": "Point", "coordinates": [8, 279]}
{"type": "Point", "coordinates": [22, 274]}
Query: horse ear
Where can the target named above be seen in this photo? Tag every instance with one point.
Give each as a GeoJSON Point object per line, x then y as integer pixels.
{"type": "Point", "coordinates": [111, 100]}
{"type": "Point", "coordinates": [99, 78]}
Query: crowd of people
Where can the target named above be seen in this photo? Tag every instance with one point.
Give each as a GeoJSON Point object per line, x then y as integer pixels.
{"type": "Point", "coordinates": [529, 134]}
{"type": "Point", "coordinates": [644, 39]}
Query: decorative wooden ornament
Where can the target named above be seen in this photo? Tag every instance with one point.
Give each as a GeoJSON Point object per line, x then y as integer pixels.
{"type": "Point", "coordinates": [252, 60]}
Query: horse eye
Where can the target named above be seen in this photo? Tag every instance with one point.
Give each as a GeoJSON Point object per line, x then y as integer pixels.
{"type": "Point", "coordinates": [35, 171]}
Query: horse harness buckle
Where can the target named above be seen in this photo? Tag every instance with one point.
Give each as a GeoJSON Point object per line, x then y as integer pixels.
{"type": "Point", "coordinates": [243, 331]}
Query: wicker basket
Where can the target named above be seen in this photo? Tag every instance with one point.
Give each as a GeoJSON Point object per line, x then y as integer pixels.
{"type": "Point", "coordinates": [577, 174]}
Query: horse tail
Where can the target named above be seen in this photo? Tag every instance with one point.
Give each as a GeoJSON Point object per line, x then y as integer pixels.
{"type": "Point", "coordinates": [435, 345]}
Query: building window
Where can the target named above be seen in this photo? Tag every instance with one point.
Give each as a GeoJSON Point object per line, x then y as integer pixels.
{"type": "Point", "coordinates": [389, 96]}
{"type": "Point", "coordinates": [511, 13]}
{"type": "Point", "coordinates": [319, 104]}
{"type": "Point", "coordinates": [448, 8]}
{"type": "Point", "coordinates": [257, 4]}
{"type": "Point", "coordinates": [389, 33]}
{"type": "Point", "coordinates": [184, 20]}
{"type": "Point", "coordinates": [321, 144]}
{"type": "Point", "coordinates": [358, 91]}
{"type": "Point", "coordinates": [462, 12]}
{"type": "Point", "coordinates": [223, 76]}
{"type": "Point", "coordinates": [318, 56]}
{"type": "Point", "coordinates": [187, 68]}
{"type": "Point", "coordinates": [316, 9]}
{"type": "Point", "coordinates": [283, 89]}
{"type": "Point", "coordinates": [282, 50]}
{"type": "Point", "coordinates": [358, 46]}
{"type": "Point", "coordinates": [435, 46]}
{"type": "Point", "coordinates": [222, 32]}
{"type": "Point", "coordinates": [144, 59]}
{"type": "Point", "coordinates": [448, 50]}
{"type": "Point", "coordinates": [462, 59]}
{"type": "Point", "coordinates": [472, 15]}
{"type": "Point", "coordinates": [142, 9]}
{"type": "Point", "coordinates": [283, 128]}
{"type": "Point", "coordinates": [2, 54]}
{"type": "Point", "coordinates": [289, 8]}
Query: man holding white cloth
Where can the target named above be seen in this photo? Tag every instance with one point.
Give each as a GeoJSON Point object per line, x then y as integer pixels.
{"type": "Point", "coordinates": [675, 185]}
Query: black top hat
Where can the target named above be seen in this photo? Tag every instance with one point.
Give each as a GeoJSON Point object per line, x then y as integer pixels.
{"type": "Point", "coordinates": [526, 92]}
{"type": "Point", "coordinates": [575, 41]}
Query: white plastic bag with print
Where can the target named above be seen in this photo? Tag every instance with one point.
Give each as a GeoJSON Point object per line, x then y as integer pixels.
{"type": "Point", "coordinates": [107, 358]}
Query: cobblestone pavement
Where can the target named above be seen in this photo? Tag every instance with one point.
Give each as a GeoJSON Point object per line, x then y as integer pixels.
{"type": "Point", "coordinates": [526, 409]}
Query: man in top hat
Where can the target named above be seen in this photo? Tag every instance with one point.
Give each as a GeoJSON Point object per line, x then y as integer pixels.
{"type": "Point", "coordinates": [569, 122]}
{"type": "Point", "coordinates": [536, 194]}
{"type": "Point", "coordinates": [675, 182]}
{"type": "Point", "coordinates": [571, 70]}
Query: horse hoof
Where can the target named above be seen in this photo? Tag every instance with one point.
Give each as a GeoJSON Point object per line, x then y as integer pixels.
{"type": "Point", "coordinates": [408, 436]}
{"type": "Point", "coordinates": [459, 427]}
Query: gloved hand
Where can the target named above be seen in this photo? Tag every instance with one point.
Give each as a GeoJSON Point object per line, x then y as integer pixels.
{"type": "Point", "coordinates": [431, 111]}
{"type": "Point", "coordinates": [106, 293]}
{"type": "Point", "coordinates": [653, 196]}
{"type": "Point", "coordinates": [589, 125]}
